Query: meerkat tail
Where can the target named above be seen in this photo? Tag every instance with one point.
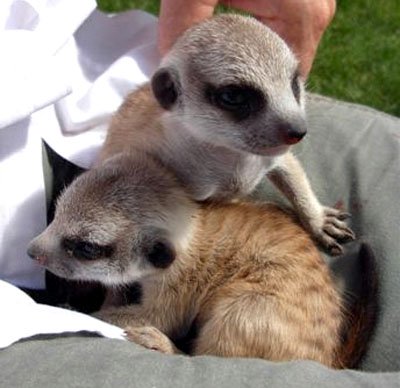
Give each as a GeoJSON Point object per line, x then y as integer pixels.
{"type": "Point", "coordinates": [361, 317]}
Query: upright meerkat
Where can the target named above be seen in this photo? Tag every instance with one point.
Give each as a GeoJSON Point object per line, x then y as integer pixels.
{"type": "Point", "coordinates": [246, 276]}
{"type": "Point", "coordinates": [223, 111]}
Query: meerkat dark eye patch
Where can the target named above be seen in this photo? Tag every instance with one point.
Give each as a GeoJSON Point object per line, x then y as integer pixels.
{"type": "Point", "coordinates": [296, 85]}
{"type": "Point", "coordinates": [85, 250]}
{"type": "Point", "coordinates": [161, 254]}
{"type": "Point", "coordinates": [240, 101]}
{"type": "Point", "coordinates": [165, 86]}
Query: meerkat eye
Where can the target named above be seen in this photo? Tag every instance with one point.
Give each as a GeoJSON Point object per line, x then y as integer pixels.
{"type": "Point", "coordinates": [86, 250]}
{"type": "Point", "coordinates": [239, 100]}
{"type": "Point", "coordinates": [231, 99]}
{"type": "Point", "coordinates": [296, 86]}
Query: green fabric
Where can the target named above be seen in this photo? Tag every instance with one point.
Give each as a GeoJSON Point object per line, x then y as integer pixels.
{"type": "Point", "coordinates": [94, 362]}
{"type": "Point", "coordinates": [352, 157]}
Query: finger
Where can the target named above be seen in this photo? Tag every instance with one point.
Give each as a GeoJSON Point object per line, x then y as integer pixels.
{"type": "Point", "coordinates": [176, 16]}
{"type": "Point", "coordinates": [265, 9]}
{"type": "Point", "coordinates": [300, 23]}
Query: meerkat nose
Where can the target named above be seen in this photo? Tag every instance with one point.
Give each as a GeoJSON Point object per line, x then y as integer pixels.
{"type": "Point", "coordinates": [42, 259]}
{"type": "Point", "coordinates": [34, 254]}
{"type": "Point", "coordinates": [31, 252]}
{"type": "Point", "coordinates": [292, 135]}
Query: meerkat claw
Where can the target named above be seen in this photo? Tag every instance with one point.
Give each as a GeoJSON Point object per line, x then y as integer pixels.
{"type": "Point", "coordinates": [334, 231]}
{"type": "Point", "coordinates": [329, 244]}
{"type": "Point", "coordinates": [343, 216]}
{"type": "Point", "coordinates": [336, 250]}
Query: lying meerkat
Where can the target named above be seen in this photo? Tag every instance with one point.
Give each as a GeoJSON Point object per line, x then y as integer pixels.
{"type": "Point", "coordinates": [223, 111]}
{"type": "Point", "coordinates": [246, 276]}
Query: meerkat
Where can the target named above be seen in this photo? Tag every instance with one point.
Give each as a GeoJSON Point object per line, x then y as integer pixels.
{"type": "Point", "coordinates": [245, 275]}
{"type": "Point", "coordinates": [222, 111]}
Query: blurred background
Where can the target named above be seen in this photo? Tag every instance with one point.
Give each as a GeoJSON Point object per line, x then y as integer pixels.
{"type": "Point", "coordinates": [358, 59]}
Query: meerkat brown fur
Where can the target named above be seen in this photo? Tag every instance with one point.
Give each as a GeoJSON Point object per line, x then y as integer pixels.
{"type": "Point", "coordinates": [222, 111]}
{"type": "Point", "coordinates": [246, 275]}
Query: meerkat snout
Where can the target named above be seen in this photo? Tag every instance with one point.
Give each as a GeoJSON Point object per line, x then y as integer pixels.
{"type": "Point", "coordinates": [57, 253]}
{"type": "Point", "coordinates": [292, 134]}
{"type": "Point", "coordinates": [36, 253]}
{"type": "Point", "coordinates": [33, 251]}
{"type": "Point", "coordinates": [41, 247]}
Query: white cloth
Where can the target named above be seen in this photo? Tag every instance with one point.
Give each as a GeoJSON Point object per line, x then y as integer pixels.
{"type": "Point", "coordinates": [21, 318]}
{"type": "Point", "coordinates": [64, 68]}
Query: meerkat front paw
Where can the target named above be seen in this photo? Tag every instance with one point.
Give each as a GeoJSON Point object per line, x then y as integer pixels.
{"type": "Point", "coordinates": [331, 230]}
{"type": "Point", "coordinates": [151, 338]}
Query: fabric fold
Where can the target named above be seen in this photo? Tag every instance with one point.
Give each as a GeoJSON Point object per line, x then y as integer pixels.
{"type": "Point", "coordinates": [65, 69]}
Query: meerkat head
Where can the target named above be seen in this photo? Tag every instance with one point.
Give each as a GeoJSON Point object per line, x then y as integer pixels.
{"type": "Point", "coordinates": [235, 83]}
{"type": "Point", "coordinates": [116, 223]}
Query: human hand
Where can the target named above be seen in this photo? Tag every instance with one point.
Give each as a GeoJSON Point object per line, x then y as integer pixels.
{"type": "Point", "coordinates": [301, 23]}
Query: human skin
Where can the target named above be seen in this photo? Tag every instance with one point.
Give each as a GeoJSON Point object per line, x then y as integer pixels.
{"type": "Point", "coordinates": [301, 23]}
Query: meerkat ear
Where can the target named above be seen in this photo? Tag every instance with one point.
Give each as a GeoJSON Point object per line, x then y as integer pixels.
{"type": "Point", "coordinates": [166, 87]}
{"type": "Point", "coordinates": [161, 254]}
